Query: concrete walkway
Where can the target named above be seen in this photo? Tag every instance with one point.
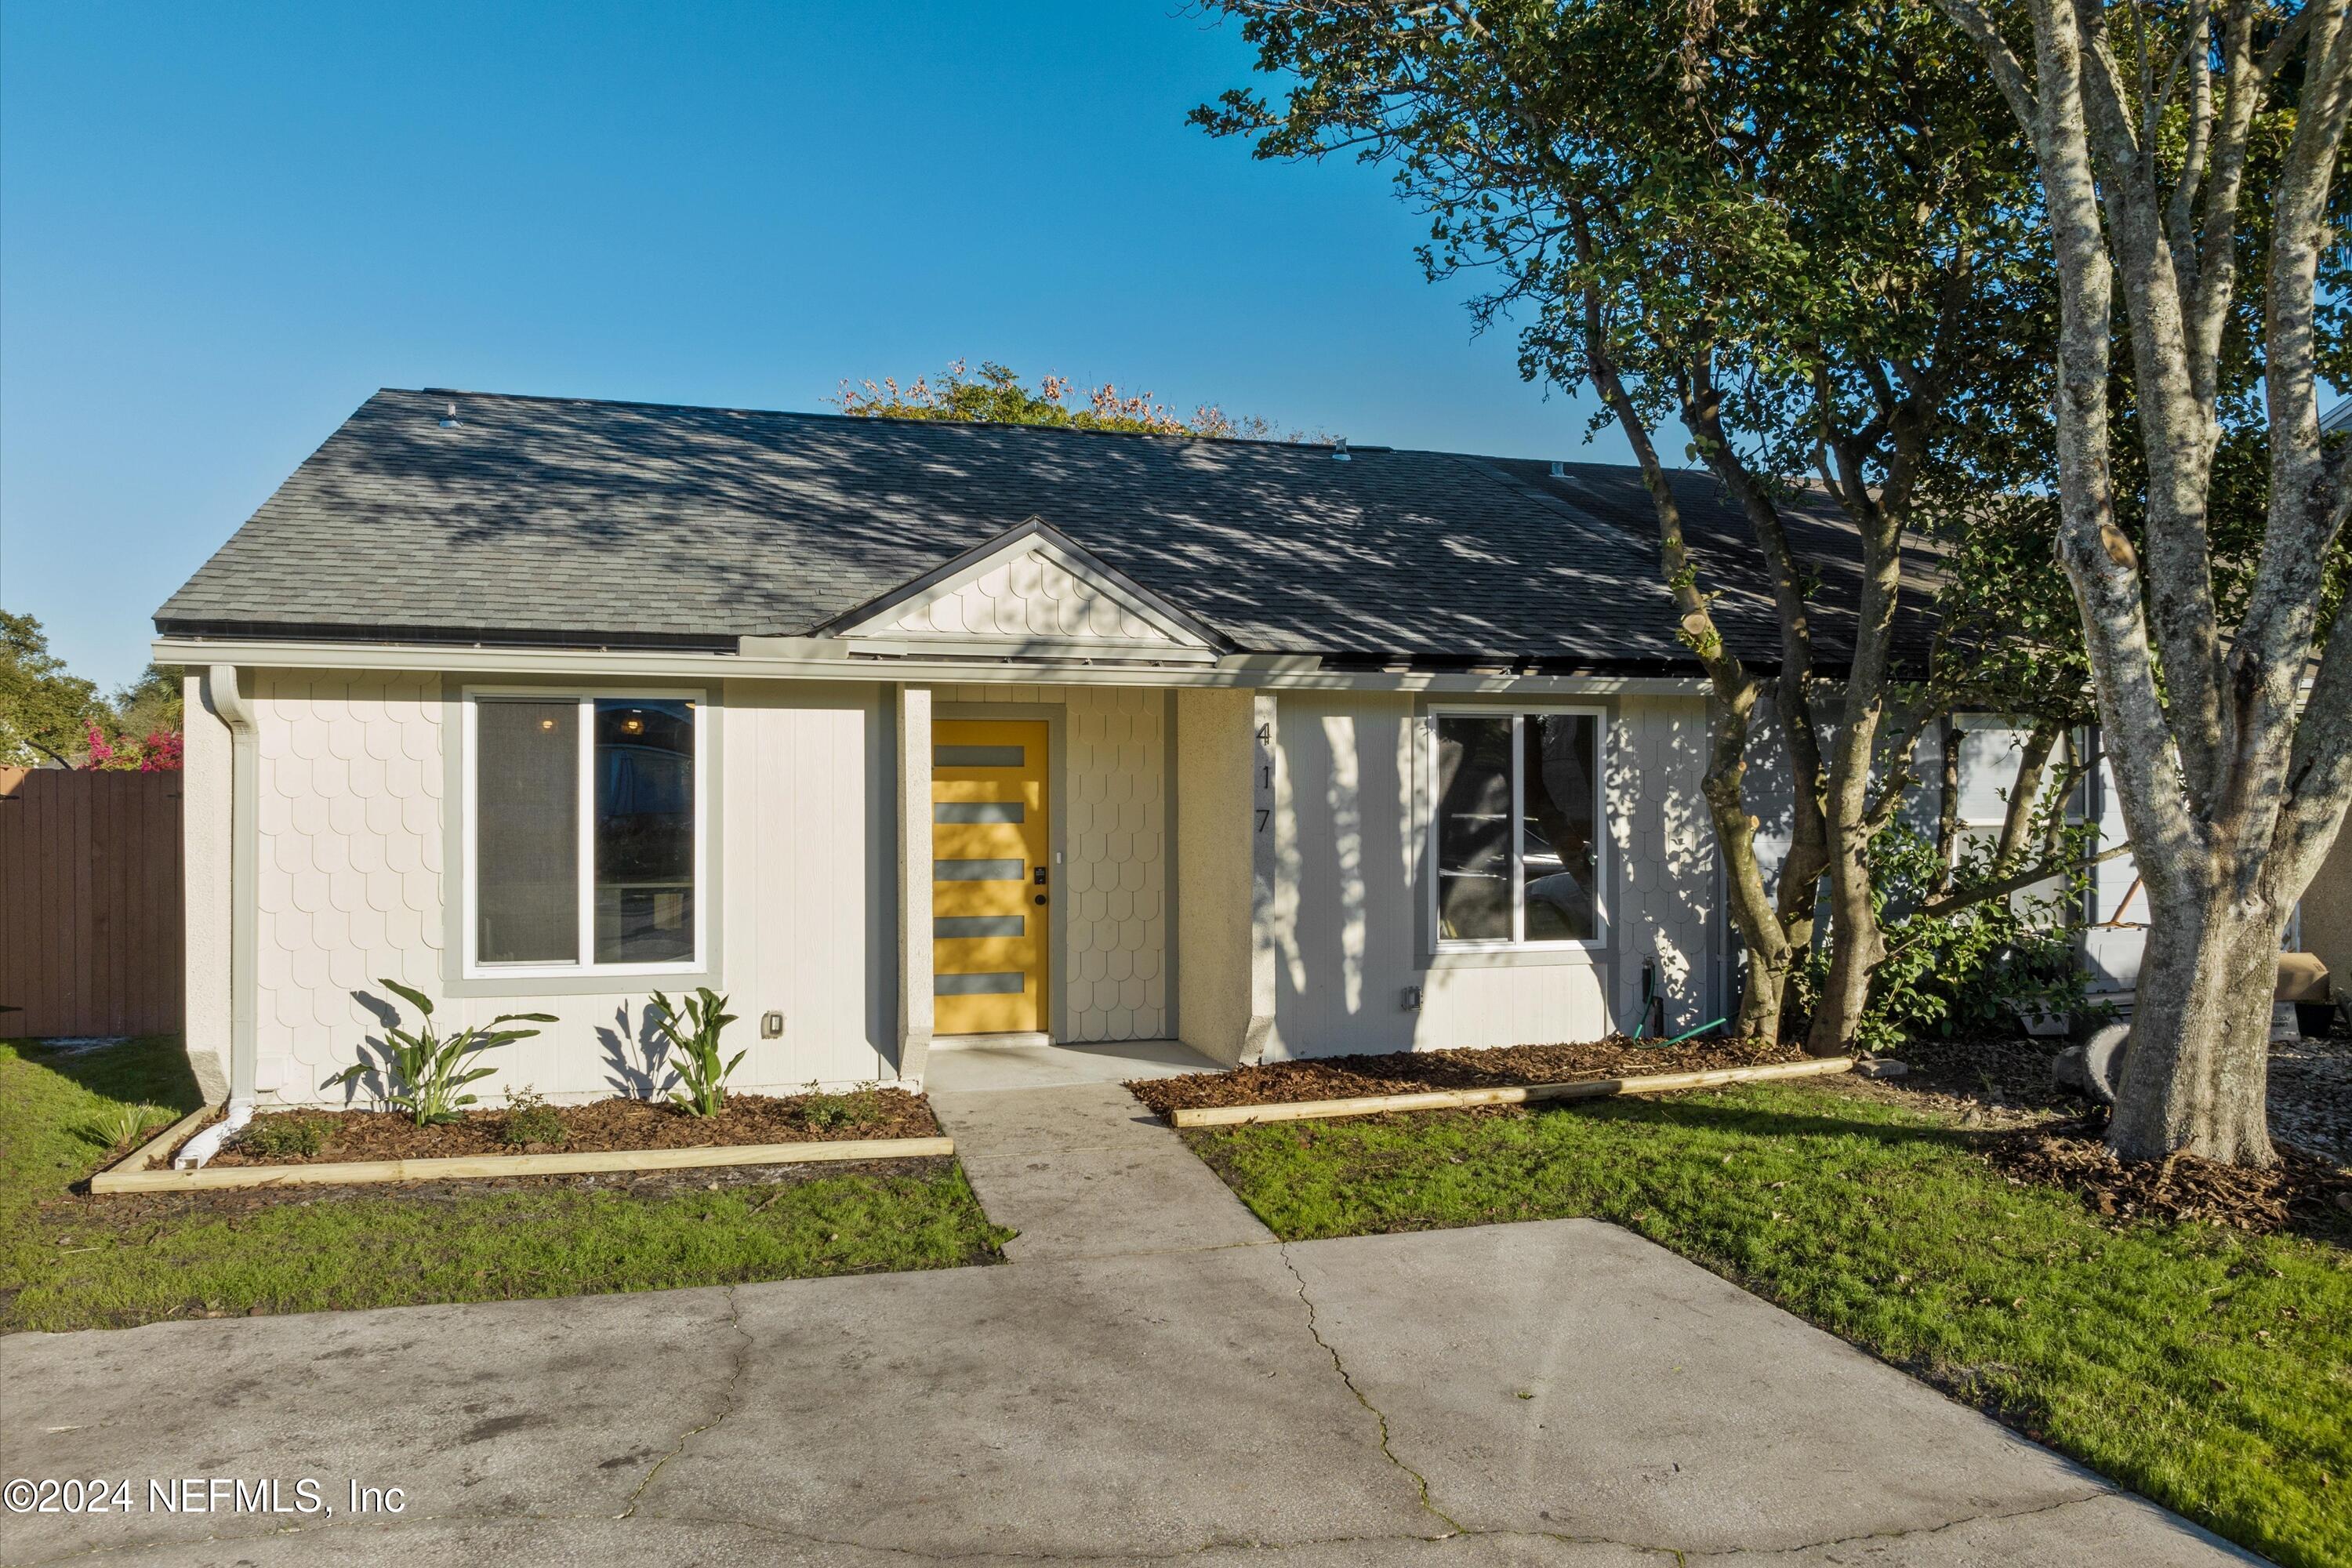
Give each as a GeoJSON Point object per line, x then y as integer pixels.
{"type": "Point", "coordinates": [1153, 1378]}
{"type": "Point", "coordinates": [1075, 1164]}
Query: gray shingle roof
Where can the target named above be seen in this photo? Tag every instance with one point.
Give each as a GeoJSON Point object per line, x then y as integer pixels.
{"type": "Point", "coordinates": [538, 519]}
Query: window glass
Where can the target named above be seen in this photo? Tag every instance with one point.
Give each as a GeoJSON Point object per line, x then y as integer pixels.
{"type": "Point", "coordinates": [527, 832]}
{"type": "Point", "coordinates": [643, 771]}
{"type": "Point", "coordinates": [1557, 856]}
{"type": "Point", "coordinates": [1473, 827]}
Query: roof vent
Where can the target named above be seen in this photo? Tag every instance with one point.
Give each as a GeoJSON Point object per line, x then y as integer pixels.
{"type": "Point", "coordinates": [449, 419]}
{"type": "Point", "coordinates": [1558, 470]}
{"type": "Point", "coordinates": [1340, 451]}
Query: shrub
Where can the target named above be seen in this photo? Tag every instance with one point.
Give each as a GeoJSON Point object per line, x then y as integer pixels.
{"type": "Point", "coordinates": [861, 1107]}
{"type": "Point", "coordinates": [422, 1072]}
{"type": "Point", "coordinates": [280, 1136]}
{"type": "Point", "coordinates": [692, 1031]}
{"type": "Point", "coordinates": [118, 1125]}
{"type": "Point", "coordinates": [1966, 965]}
{"type": "Point", "coordinates": [530, 1120]}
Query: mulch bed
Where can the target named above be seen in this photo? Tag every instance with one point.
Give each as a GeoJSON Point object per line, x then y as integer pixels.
{"type": "Point", "coordinates": [1413, 1072]}
{"type": "Point", "coordinates": [2301, 1192]}
{"type": "Point", "coordinates": [609, 1125]}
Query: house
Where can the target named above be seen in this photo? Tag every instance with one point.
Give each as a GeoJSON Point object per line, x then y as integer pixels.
{"type": "Point", "coordinates": [906, 735]}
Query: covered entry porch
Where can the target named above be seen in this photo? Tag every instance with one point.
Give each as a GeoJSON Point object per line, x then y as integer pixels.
{"type": "Point", "coordinates": [1076, 874]}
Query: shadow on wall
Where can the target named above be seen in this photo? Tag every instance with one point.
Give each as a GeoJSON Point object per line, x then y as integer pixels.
{"type": "Point", "coordinates": [1668, 840]}
{"type": "Point", "coordinates": [1345, 921]}
{"type": "Point", "coordinates": [373, 1052]}
{"type": "Point", "coordinates": [637, 1057]}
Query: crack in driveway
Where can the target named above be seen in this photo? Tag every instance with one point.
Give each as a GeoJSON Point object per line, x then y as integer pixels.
{"type": "Point", "coordinates": [1315, 1327]}
{"type": "Point", "coordinates": [727, 1402]}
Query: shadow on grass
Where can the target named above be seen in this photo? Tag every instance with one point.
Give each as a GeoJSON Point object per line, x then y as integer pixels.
{"type": "Point", "coordinates": [1762, 1121]}
{"type": "Point", "coordinates": [150, 1068]}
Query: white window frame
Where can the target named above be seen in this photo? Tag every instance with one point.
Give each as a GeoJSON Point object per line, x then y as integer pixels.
{"type": "Point", "coordinates": [1519, 715]}
{"type": "Point", "coordinates": [586, 699]}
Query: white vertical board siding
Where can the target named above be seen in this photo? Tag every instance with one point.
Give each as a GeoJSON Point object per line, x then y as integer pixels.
{"type": "Point", "coordinates": [1663, 842]}
{"type": "Point", "coordinates": [354, 856]}
{"type": "Point", "coordinates": [1349, 934]}
{"type": "Point", "coordinates": [810, 927]}
{"type": "Point", "coordinates": [1111, 971]}
{"type": "Point", "coordinates": [1346, 878]}
{"type": "Point", "coordinates": [1212, 761]}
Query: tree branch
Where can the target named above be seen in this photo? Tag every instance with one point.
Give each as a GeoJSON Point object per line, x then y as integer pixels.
{"type": "Point", "coordinates": [1937, 907]}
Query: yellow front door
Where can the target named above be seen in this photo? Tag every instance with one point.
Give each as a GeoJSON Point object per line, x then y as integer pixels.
{"type": "Point", "coordinates": [989, 887]}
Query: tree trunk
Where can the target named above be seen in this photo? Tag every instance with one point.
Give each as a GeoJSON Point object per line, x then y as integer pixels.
{"type": "Point", "coordinates": [1856, 944]}
{"type": "Point", "coordinates": [2024, 795]}
{"type": "Point", "coordinates": [1766, 939]}
{"type": "Point", "coordinates": [2196, 1076]}
{"type": "Point", "coordinates": [1947, 805]}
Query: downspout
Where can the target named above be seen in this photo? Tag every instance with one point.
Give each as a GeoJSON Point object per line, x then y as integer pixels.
{"type": "Point", "coordinates": [243, 849]}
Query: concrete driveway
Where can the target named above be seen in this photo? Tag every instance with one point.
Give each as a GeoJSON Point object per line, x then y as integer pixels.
{"type": "Point", "coordinates": [1554, 1392]}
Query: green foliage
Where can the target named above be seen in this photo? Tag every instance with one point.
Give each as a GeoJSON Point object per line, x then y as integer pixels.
{"type": "Point", "coordinates": [423, 1073]}
{"type": "Point", "coordinates": [280, 1136]}
{"type": "Point", "coordinates": [1954, 966]}
{"type": "Point", "coordinates": [2201, 1367]}
{"type": "Point", "coordinates": [153, 704]}
{"type": "Point", "coordinates": [860, 1107]}
{"type": "Point", "coordinates": [1792, 211]}
{"type": "Point", "coordinates": [49, 716]}
{"type": "Point", "coordinates": [693, 1035]}
{"type": "Point", "coordinates": [45, 712]}
{"type": "Point", "coordinates": [998, 397]}
{"type": "Point", "coordinates": [119, 1126]}
{"type": "Point", "coordinates": [71, 1261]}
{"type": "Point", "coordinates": [530, 1121]}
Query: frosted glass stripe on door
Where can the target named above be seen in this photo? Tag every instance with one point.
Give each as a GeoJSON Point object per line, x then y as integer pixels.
{"type": "Point", "coordinates": [980, 811]}
{"type": "Point", "coordinates": [980, 925]}
{"type": "Point", "coordinates": [1007, 983]}
{"type": "Point", "coordinates": [976, 870]}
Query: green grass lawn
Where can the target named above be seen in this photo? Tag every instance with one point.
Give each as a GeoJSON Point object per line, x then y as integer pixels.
{"type": "Point", "coordinates": [2205, 1368]}
{"type": "Point", "coordinates": [72, 1261]}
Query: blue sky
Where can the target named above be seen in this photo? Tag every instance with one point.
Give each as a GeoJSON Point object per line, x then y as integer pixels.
{"type": "Point", "coordinates": [220, 227]}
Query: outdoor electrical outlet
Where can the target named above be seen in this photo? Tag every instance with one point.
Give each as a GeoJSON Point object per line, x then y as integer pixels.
{"type": "Point", "coordinates": [772, 1025]}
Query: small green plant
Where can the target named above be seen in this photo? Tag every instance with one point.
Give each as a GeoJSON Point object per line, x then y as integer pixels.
{"type": "Point", "coordinates": [278, 1137]}
{"type": "Point", "coordinates": [422, 1072]}
{"type": "Point", "coordinates": [530, 1120]}
{"type": "Point", "coordinates": [119, 1124]}
{"type": "Point", "coordinates": [693, 1035]}
{"type": "Point", "coordinates": [860, 1107]}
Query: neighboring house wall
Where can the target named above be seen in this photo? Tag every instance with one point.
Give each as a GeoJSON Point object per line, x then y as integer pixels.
{"type": "Point", "coordinates": [2327, 913]}
{"type": "Point", "coordinates": [1990, 754]}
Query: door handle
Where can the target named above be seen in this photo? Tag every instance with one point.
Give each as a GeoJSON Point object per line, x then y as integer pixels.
{"type": "Point", "coordinates": [1040, 898]}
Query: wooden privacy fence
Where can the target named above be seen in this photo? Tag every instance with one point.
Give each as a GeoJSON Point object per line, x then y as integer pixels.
{"type": "Point", "coordinates": [90, 935]}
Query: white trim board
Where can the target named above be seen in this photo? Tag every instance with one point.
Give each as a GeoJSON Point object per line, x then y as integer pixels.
{"type": "Point", "coordinates": [756, 662]}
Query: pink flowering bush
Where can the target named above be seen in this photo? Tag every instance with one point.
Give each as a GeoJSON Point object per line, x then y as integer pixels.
{"type": "Point", "coordinates": [160, 753]}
